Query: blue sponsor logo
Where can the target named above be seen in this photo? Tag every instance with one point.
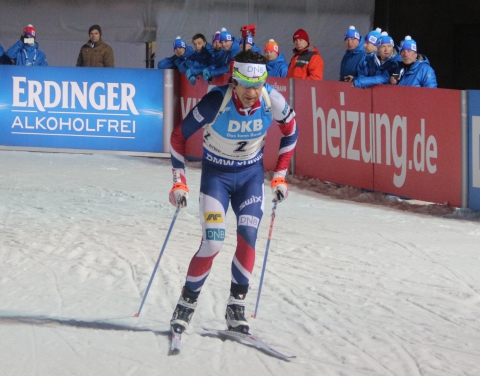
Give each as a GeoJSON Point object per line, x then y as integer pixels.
{"type": "Point", "coordinates": [215, 234]}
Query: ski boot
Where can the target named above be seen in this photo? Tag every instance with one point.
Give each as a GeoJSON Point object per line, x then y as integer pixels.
{"type": "Point", "coordinates": [235, 313]}
{"type": "Point", "coordinates": [184, 311]}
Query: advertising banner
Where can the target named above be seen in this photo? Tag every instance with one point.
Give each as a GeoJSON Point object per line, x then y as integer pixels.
{"type": "Point", "coordinates": [82, 108]}
{"type": "Point", "coordinates": [418, 143]}
{"type": "Point", "coordinates": [474, 149]}
{"type": "Point", "coordinates": [335, 138]}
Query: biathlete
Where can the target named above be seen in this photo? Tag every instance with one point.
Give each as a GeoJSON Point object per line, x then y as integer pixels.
{"type": "Point", "coordinates": [235, 119]}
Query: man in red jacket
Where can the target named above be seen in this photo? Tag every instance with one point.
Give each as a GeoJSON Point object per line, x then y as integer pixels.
{"type": "Point", "coordinates": [306, 61]}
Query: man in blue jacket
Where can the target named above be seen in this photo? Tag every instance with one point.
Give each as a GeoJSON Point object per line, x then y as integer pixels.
{"type": "Point", "coordinates": [200, 58]}
{"type": "Point", "coordinates": [415, 69]}
{"type": "Point", "coordinates": [354, 54]}
{"type": "Point", "coordinates": [221, 65]}
{"type": "Point", "coordinates": [182, 52]}
{"type": "Point", "coordinates": [276, 63]}
{"type": "Point", "coordinates": [25, 51]}
{"type": "Point", "coordinates": [375, 69]}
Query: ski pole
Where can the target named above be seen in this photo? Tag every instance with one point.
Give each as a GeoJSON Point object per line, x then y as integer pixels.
{"type": "Point", "coordinates": [159, 258]}
{"type": "Point", "coordinates": [254, 315]}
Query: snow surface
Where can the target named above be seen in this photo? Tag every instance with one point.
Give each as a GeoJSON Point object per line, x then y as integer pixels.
{"type": "Point", "coordinates": [357, 283]}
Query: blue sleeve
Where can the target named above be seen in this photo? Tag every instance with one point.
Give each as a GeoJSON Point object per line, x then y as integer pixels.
{"type": "Point", "coordinates": [363, 82]}
{"type": "Point", "coordinates": [203, 113]}
{"type": "Point", "coordinates": [166, 63]}
{"type": "Point", "coordinates": [430, 78]}
{"type": "Point", "coordinates": [13, 51]}
{"type": "Point", "coordinates": [42, 59]}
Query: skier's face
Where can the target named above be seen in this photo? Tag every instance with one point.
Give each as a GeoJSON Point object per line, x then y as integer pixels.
{"type": "Point", "coordinates": [248, 95]}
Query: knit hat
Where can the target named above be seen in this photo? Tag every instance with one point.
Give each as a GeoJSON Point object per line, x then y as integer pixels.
{"type": "Point", "coordinates": [272, 46]}
{"type": "Point", "coordinates": [248, 40]}
{"type": "Point", "coordinates": [179, 43]}
{"type": "Point", "coordinates": [374, 37]}
{"type": "Point", "coordinates": [29, 31]}
{"type": "Point", "coordinates": [225, 35]}
{"type": "Point", "coordinates": [386, 39]}
{"type": "Point", "coordinates": [95, 27]}
{"type": "Point", "coordinates": [301, 34]}
{"type": "Point", "coordinates": [409, 44]}
{"type": "Point", "coordinates": [216, 36]}
{"type": "Point", "coordinates": [352, 33]}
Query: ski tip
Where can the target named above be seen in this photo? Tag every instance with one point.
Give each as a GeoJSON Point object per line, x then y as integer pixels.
{"type": "Point", "coordinates": [253, 315]}
{"type": "Point", "coordinates": [174, 352]}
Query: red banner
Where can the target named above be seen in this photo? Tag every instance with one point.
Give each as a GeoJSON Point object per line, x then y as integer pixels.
{"type": "Point", "coordinates": [418, 143]}
{"type": "Point", "coordinates": [334, 134]}
{"type": "Point", "coordinates": [392, 139]}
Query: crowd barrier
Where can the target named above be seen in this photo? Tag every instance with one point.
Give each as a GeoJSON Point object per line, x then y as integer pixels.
{"type": "Point", "coordinates": [411, 142]}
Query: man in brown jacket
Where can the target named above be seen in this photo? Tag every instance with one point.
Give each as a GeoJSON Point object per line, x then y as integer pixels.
{"type": "Point", "coordinates": [95, 53]}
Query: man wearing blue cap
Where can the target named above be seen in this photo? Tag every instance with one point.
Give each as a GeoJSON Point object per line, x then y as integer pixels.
{"type": "Point", "coordinates": [234, 119]}
{"type": "Point", "coordinates": [415, 69]}
{"type": "Point", "coordinates": [377, 68]}
{"type": "Point", "coordinates": [353, 55]}
{"type": "Point", "coordinates": [177, 61]}
{"type": "Point", "coordinates": [230, 47]}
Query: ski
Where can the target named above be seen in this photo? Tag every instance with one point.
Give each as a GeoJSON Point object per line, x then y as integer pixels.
{"type": "Point", "coordinates": [175, 340]}
{"type": "Point", "coordinates": [250, 339]}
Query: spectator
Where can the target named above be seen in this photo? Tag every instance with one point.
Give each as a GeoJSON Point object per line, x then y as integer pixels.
{"type": "Point", "coordinates": [95, 53]}
{"type": "Point", "coordinates": [377, 68]}
{"type": "Point", "coordinates": [221, 65]}
{"type": "Point", "coordinates": [414, 69]}
{"type": "Point", "coordinates": [25, 51]}
{"type": "Point", "coordinates": [217, 46]}
{"type": "Point", "coordinates": [372, 41]}
{"type": "Point", "coordinates": [306, 61]}
{"type": "Point", "coordinates": [4, 59]}
{"type": "Point", "coordinates": [276, 64]}
{"type": "Point", "coordinates": [199, 59]}
{"type": "Point", "coordinates": [249, 45]}
{"type": "Point", "coordinates": [177, 60]}
{"type": "Point", "coordinates": [354, 54]}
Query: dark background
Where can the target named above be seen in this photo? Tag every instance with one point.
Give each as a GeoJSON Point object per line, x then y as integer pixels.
{"type": "Point", "coordinates": [447, 32]}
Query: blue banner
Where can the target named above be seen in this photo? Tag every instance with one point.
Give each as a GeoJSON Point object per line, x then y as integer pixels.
{"type": "Point", "coordinates": [474, 150]}
{"type": "Point", "coordinates": [82, 108]}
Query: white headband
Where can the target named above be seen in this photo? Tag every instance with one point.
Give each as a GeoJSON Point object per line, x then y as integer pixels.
{"type": "Point", "coordinates": [250, 70]}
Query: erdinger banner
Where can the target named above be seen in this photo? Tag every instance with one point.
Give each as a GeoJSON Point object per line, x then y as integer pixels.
{"type": "Point", "coordinates": [392, 139]}
{"type": "Point", "coordinates": [82, 108]}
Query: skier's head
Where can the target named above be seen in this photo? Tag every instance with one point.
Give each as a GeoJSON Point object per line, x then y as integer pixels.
{"type": "Point", "coordinates": [249, 74]}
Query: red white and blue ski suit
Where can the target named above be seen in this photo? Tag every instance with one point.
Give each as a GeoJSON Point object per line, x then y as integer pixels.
{"type": "Point", "coordinates": [232, 171]}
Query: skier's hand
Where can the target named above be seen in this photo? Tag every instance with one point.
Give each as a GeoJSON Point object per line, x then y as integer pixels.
{"type": "Point", "coordinates": [280, 188]}
{"type": "Point", "coordinates": [179, 194]}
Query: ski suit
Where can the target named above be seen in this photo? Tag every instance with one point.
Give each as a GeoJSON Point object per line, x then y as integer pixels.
{"type": "Point", "coordinates": [232, 171]}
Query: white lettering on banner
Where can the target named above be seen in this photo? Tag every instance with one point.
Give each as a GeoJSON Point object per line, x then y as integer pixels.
{"type": "Point", "coordinates": [476, 151]}
{"type": "Point", "coordinates": [381, 133]}
{"type": "Point", "coordinates": [100, 96]}
{"type": "Point", "coordinates": [75, 125]}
